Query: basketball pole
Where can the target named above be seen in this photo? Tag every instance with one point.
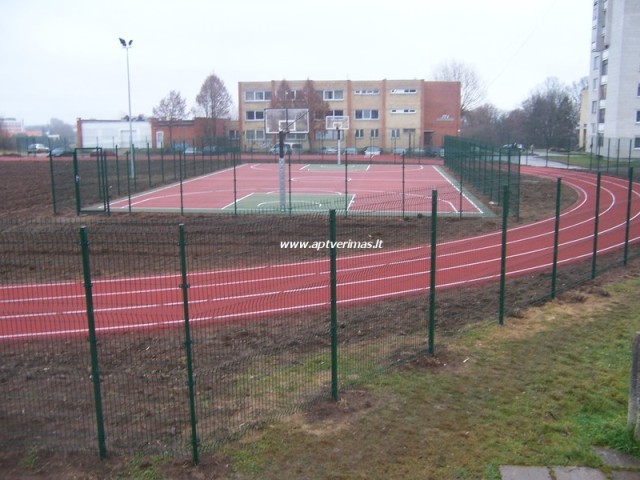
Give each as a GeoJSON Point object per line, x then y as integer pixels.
{"type": "Point", "coordinates": [338, 132]}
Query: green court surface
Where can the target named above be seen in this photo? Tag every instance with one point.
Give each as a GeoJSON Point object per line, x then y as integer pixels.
{"type": "Point", "coordinates": [300, 202]}
{"type": "Point", "coordinates": [333, 167]}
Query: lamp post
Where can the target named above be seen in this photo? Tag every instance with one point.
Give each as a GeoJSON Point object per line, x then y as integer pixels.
{"type": "Point", "coordinates": [132, 171]}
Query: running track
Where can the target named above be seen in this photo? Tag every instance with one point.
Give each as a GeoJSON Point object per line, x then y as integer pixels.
{"type": "Point", "coordinates": [257, 292]}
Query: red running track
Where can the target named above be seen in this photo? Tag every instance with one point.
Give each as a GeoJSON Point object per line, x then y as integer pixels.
{"type": "Point", "coordinates": [258, 292]}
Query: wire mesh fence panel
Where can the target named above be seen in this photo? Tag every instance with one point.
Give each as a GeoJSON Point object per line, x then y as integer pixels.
{"type": "Point", "coordinates": [259, 297]}
{"type": "Point", "coordinates": [135, 273]}
{"type": "Point", "coordinates": [47, 397]}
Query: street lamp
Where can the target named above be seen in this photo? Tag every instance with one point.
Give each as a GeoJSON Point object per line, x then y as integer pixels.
{"type": "Point", "coordinates": [127, 45]}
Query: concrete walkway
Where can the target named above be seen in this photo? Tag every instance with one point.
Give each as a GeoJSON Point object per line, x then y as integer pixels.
{"type": "Point", "coordinates": [620, 466]}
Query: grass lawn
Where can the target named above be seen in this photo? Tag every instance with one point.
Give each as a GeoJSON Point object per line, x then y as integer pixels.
{"type": "Point", "coordinates": [539, 391]}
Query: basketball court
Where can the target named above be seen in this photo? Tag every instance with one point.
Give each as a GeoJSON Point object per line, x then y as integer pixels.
{"type": "Point", "coordinates": [309, 188]}
{"type": "Point", "coordinates": [288, 187]}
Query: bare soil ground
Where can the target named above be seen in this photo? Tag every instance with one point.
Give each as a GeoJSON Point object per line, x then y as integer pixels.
{"type": "Point", "coordinates": [25, 195]}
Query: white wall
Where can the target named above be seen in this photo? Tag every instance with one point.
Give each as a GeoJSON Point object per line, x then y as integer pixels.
{"type": "Point", "coordinates": [112, 133]}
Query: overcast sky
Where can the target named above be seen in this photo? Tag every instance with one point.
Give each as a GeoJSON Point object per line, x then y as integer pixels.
{"type": "Point", "coordinates": [62, 58]}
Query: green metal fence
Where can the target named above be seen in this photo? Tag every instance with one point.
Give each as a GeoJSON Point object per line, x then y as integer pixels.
{"type": "Point", "coordinates": [129, 334]}
{"type": "Point", "coordinates": [488, 169]}
{"type": "Point", "coordinates": [100, 175]}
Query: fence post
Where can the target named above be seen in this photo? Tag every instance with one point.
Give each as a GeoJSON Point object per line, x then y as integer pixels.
{"type": "Point", "coordinates": [334, 304]}
{"type": "Point", "coordinates": [93, 344]}
{"type": "Point", "coordinates": [633, 418]}
{"type": "Point", "coordinates": [432, 276]}
{"type": "Point", "coordinates": [503, 255]}
{"type": "Point", "coordinates": [187, 342]}
{"type": "Point", "coordinates": [628, 219]}
{"type": "Point", "coordinates": [235, 186]}
{"type": "Point", "coordinates": [595, 228]}
{"type": "Point", "coordinates": [556, 235]}
{"type": "Point", "coordinates": [76, 181]}
{"type": "Point", "coordinates": [403, 183]}
{"type": "Point", "coordinates": [149, 163]}
{"type": "Point", "coordinates": [181, 156]}
{"type": "Point", "coordinates": [117, 161]}
{"type": "Point", "coordinates": [346, 183]}
{"type": "Point", "coordinates": [53, 183]}
{"type": "Point", "coordinates": [128, 179]}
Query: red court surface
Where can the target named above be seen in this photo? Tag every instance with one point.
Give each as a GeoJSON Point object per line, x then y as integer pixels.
{"type": "Point", "coordinates": [370, 188]}
{"type": "Point", "coordinates": [261, 291]}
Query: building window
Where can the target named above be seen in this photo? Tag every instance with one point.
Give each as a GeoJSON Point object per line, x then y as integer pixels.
{"type": "Point", "coordinates": [257, 96]}
{"type": "Point", "coordinates": [335, 113]}
{"type": "Point", "coordinates": [370, 91]}
{"type": "Point", "coordinates": [403, 91]}
{"type": "Point", "coordinates": [257, 115]}
{"type": "Point", "coordinates": [326, 135]}
{"type": "Point", "coordinates": [637, 116]}
{"type": "Point", "coordinates": [375, 133]}
{"type": "Point", "coordinates": [359, 132]}
{"type": "Point", "coordinates": [403, 110]}
{"type": "Point", "coordinates": [605, 67]}
{"type": "Point", "coordinates": [284, 95]}
{"type": "Point", "coordinates": [601, 115]}
{"type": "Point", "coordinates": [254, 134]}
{"type": "Point", "coordinates": [395, 133]}
{"type": "Point", "coordinates": [366, 114]}
{"type": "Point", "coordinates": [332, 95]}
{"type": "Point", "coordinates": [594, 106]}
{"type": "Point", "coordinates": [596, 62]}
{"type": "Point", "coordinates": [638, 93]}
{"type": "Point", "coordinates": [636, 142]}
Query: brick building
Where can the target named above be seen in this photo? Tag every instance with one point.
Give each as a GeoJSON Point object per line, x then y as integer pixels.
{"type": "Point", "coordinates": [198, 132]}
{"type": "Point", "coordinates": [392, 114]}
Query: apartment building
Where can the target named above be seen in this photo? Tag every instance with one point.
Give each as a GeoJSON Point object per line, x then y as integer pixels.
{"type": "Point", "coordinates": [391, 114]}
{"type": "Point", "coordinates": [614, 79]}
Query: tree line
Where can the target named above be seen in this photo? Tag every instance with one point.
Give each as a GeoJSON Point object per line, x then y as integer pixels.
{"type": "Point", "coordinates": [547, 118]}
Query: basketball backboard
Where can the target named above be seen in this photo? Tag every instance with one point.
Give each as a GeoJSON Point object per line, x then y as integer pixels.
{"type": "Point", "coordinates": [339, 122]}
{"type": "Point", "coordinates": [289, 120]}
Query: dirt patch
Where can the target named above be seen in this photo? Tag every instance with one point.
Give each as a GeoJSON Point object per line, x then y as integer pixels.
{"type": "Point", "coordinates": [328, 416]}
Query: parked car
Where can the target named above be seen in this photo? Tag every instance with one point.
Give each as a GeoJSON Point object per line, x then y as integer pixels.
{"type": "Point", "coordinates": [36, 148]}
{"type": "Point", "coordinates": [329, 151]}
{"type": "Point", "coordinates": [350, 151]}
{"type": "Point", "coordinates": [61, 152]}
{"type": "Point", "coordinates": [180, 147]}
{"type": "Point", "coordinates": [371, 151]}
{"type": "Point", "coordinates": [399, 151]}
{"type": "Point", "coordinates": [513, 146]}
{"type": "Point", "coordinates": [276, 149]}
{"type": "Point", "coordinates": [191, 151]}
{"type": "Point", "coordinates": [213, 150]}
{"type": "Point", "coordinates": [107, 152]}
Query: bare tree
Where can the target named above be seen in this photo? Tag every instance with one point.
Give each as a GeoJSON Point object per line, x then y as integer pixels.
{"type": "Point", "coordinates": [308, 97]}
{"type": "Point", "coordinates": [472, 89]}
{"type": "Point", "coordinates": [481, 123]}
{"type": "Point", "coordinates": [318, 110]}
{"type": "Point", "coordinates": [577, 87]}
{"type": "Point", "coordinates": [551, 115]}
{"type": "Point", "coordinates": [171, 109]}
{"type": "Point", "coordinates": [215, 101]}
{"type": "Point", "coordinates": [61, 129]}
{"type": "Point", "coordinates": [285, 96]}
